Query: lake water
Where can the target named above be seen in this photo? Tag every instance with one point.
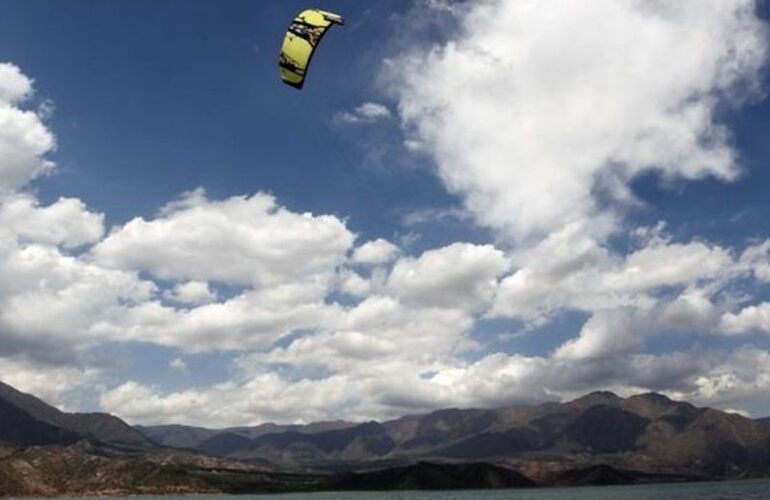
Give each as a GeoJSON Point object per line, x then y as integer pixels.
{"type": "Point", "coordinates": [685, 491]}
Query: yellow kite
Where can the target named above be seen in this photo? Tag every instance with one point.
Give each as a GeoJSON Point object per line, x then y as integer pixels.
{"type": "Point", "coordinates": [299, 45]}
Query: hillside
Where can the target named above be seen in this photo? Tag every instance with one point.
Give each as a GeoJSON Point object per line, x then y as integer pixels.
{"type": "Point", "coordinates": [648, 433]}
{"type": "Point", "coordinates": [26, 420]}
{"type": "Point", "coordinates": [600, 438]}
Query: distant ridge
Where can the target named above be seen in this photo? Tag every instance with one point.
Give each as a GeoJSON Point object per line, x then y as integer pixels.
{"type": "Point", "coordinates": [184, 436]}
{"type": "Point", "coordinates": [646, 433]}
{"type": "Point", "coordinates": [38, 423]}
{"type": "Point", "coordinates": [597, 439]}
{"type": "Point", "coordinates": [20, 428]}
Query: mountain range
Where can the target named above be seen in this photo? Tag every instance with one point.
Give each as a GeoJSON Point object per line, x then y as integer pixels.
{"type": "Point", "coordinates": [599, 438]}
{"type": "Point", "coordinates": [648, 432]}
{"type": "Point", "coordinates": [26, 420]}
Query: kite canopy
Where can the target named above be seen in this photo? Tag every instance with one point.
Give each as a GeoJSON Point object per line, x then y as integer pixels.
{"type": "Point", "coordinates": [299, 45]}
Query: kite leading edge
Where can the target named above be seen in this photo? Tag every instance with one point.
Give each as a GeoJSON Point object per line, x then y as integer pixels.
{"type": "Point", "coordinates": [300, 42]}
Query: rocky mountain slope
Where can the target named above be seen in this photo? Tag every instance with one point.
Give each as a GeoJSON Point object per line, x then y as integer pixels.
{"type": "Point", "coordinates": [79, 470]}
{"type": "Point", "coordinates": [205, 440]}
{"type": "Point", "coordinates": [597, 439]}
{"type": "Point", "coordinates": [26, 420]}
{"type": "Point", "coordinates": [84, 469]}
{"type": "Point", "coordinates": [648, 433]}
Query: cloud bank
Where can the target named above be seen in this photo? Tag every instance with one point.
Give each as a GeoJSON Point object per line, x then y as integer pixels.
{"type": "Point", "coordinates": [539, 117]}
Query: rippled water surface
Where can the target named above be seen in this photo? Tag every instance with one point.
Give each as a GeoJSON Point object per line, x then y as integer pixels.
{"type": "Point", "coordinates": [690, 491]}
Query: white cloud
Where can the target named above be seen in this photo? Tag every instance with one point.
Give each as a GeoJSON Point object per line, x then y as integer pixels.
{"type": "Point", "coordinates": [742, 413]}
{"type": "Point", "coordinates": [569, 269]}
{"type": "Point", "coordinates": [617, 332]}
{"type": "Point", "coordinates": [733, 380]}
{"type": "Point", "coordinates": [393, 387]}
{"type": "Point", "coordinates": [378, 328]}
{"type": "Point", "coordinates": [443, 5]}
{"type": "Point", "coordinates": [605, 334]}
{"type": "Point", "coordinates": [240, 240]}
{"type": "Point", "coordinates": [47, 297]}
{"type": "Point", "coordinates": [354, 284]}
{"type": "Point", "coordinates": [287, 263]}
{"type": "Point", "coordinates": [251, 320]}
{"type": "Point", "coordinates": [534, 110]}
{"type": "Point", "coordinates": [24, 139]}
{"type": "Point", "coordinates": [710, 378]}
{"type": "Point", "coordinates": [375, 252]}
{"type": "Point", "coordinates": [757, 259]}
{"type": "Point", "coordinates": [750, 319]}
{"type": "Point", "coordinates": [531, 129]}
{"type": "Point", "coordinates": [541, 135]}
{"type": "Point", "coordinates": [14, 85]}
{"type": "Point", "coordinates": [50, 298]}
{"type": "Point", "coordinates": [264, 398]}
{"type": "Point", "coordinates": [66, 222]}
{"type": "Point", "coordinates": [178, 364]}
{"type": "Point", "coordinates": [368, 112]}
{"type": "Point", "coordinates": [460, 275]}
{"type": "Point", "coordinates": [46, 109]}
{"type": "Point", "coordinates": [432, 215]}
{"type": "Point", "coordinates": [192, 292]}
{"type": "Point", "coordinates": [53, 384]}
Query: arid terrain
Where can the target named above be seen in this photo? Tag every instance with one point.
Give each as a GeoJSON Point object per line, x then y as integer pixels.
{"type": "Point", "coordinates": [597, 439]}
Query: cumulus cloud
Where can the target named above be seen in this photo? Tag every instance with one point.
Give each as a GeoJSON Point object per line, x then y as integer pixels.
{"type": "Point", "coordinates": [251, 320]}
{"type": "Point", "coordinates": [55, 299]}
{"type": "Point", "coordinates": [380, 328]}
{"type": "Point", "coordinates": [757, 259]}
{"type": "Point", "coordinates": [66, 222]}
{"type": "Point", "coordinates": [241, 241]}
{"type": "Point", "coordinates": [621, 331]}
{"type": "Point", "coordinates": [396, 353]}
{"type": "Point", "coordinates": [178, 364]}
{"type": "Point", "coordinates": [24, 138]}
{"type": "Point", "coordinates": [54, 384]}
{"type": "Point", "coordinates": [715, 378]}
{"type": "Point", "coordinates": [356, 285]}
{"type": "Point", "coordinates": [375, 252]}
{"type": "Point", "coordinates": [14, 85]}
{"type": "Point", "coordinates": [459, 275]}
{"type": "Point", "coordinates": [738, 378]}
{"type": "Point", "coordinates": [286, 262]}
{"type": "Point", "coordinates": [368, 112]}
{"type": "Point", "coordinates": [192, 292]}
{"type": "Point", "coordinates": [539, 134]}
{"type": "Point", "coordinates": [48, 297]}
{"type": "Point", "coordinates": [750, 319]}
{"type": "Point", "coordinates": [570, 270]}
{"type": "Point", "coordinates": [535, 113]}
{"type": "Point", "coordinates": [264, 398]}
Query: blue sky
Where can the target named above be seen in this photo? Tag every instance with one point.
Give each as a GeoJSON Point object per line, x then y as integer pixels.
{"type": "Point", "coordinates": [503, 211]}
{"type": "Point", "coordinates": [190, 92]}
